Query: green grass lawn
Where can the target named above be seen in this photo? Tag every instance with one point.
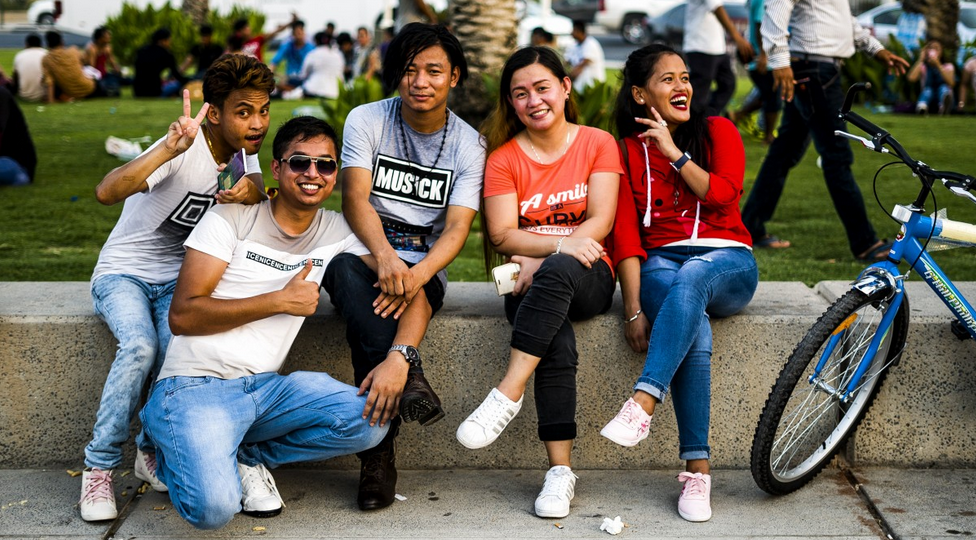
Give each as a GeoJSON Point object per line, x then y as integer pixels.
{"type": "Point", "coordinates": [53, 229]}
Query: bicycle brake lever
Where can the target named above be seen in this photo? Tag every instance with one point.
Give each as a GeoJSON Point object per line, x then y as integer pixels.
{"type": "Point", "coordinates": [864, 142]}
{"type": "Point", "coordinates": [958, 190]}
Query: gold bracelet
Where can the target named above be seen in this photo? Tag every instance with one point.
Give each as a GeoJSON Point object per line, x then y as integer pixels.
{"type": "Point", "coordinates": [634, 318]}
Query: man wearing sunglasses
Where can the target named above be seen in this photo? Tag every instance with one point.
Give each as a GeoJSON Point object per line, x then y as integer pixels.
{"type": "Point", "coordinates": [412, 175]}
{"type": "Point", "coordinates": [166, 190]}
{"type": "Point", "coordinates": [221, 414]}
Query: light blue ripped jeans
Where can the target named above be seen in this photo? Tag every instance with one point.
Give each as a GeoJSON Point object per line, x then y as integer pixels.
{"type": "Point", "coordinates": [680, 288]}
{"type": "Point", "coordinates": [138, 315]}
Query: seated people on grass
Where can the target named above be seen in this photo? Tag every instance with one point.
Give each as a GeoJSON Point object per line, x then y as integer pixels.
{"type": "Point", "coordinates": [220, 414]}
{"type": "Point", "coordinates": [166, 191]}
{"type": "Point", "coordinates": [322, 71]}
{"type": "Point", "coordinates": [28, 72]}
{"type": "Point", "coordinates": [17, 156]}
{"type": "Point", "coordinates": [63, 74]}
{"type": "Point", "coordinates": [202, 54]}
{"type": "Point", "coordinates": [152, 61]}
{"type": "Point", "coordinates": [292, 53]}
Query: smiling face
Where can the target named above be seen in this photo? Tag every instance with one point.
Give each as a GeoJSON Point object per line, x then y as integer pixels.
{"type": "Point", "coordinates": [428, 80]}
{"type": "Point", "coordinates": [538, 97]}
{"type": "Point", "coordinates": [667, 90]}
{"type": "Point", "coordinates": [306, 189]}
{"type": "Point", "coordinates": [242, 122]}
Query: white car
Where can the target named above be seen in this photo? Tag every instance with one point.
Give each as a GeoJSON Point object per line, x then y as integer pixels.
{"type": "Point", "coordinates": [882, 21]}
{"type": "Point", "coordinates": [627, 16]}
{"type": "Point", "coordinates": [530, 15]}
{"type": "Point", "coordinates": [43, 12]}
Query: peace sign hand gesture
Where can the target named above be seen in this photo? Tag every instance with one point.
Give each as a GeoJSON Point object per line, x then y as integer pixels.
{"type": "Point", "coordinates": [181, 133]}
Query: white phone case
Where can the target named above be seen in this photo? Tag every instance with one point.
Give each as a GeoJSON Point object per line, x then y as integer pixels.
{"type": "Point", "coordinates": [505, 277]}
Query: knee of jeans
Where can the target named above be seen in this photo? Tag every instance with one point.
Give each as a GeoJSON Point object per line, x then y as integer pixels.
{"type": "Point", "coordinates": [341, 268]}
{"type": "Point", "coordinates": [215, 511]}
{"type": "Point", "coordinates": [142, 347]}
{"type": "Point", "coordinates": [557, 267]}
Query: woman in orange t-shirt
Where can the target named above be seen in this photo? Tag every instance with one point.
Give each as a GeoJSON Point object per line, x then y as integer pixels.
{"type": "Point", "coordinates": [550, 195]}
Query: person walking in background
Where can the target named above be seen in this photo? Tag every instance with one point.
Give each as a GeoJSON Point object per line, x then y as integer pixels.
{"type": "Point", "coordinates": [806, 41]}
{"type": "Point", "coordinates": [538, 153]}
{"type": "Point", "coordinates": [203, 53]}
{"type": "Point", "coordinates": [152, 61]}
{"type": "Point", "coordinates": [766, 99]}
{"type": "Point", "coordinates": [586, 58]}
{"type": "Point", "coordinates": [413, 230]}
{"type": "Point", "coordinates": [166, 191]}
{"type": "Point", "coordinates": [28, 72]}
{"type": "Point", "coordinates": [706, 24]}
{"type": "Point", "coordinates": [676, 273]}
{"type": "Point", "coordinates": [938, 78]}
{"type": "Point", "coordinates": [366, 61]}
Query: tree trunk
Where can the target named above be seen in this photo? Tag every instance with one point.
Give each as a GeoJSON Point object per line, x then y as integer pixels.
{"type": "Point", "coordinates": [197, 10]}
{"type": "Point", "coordinates": [941, 18]}
{"type": "Point", "coordinates": [487, 31]}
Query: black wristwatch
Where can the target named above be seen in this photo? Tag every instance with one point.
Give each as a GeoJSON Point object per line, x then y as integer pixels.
{"type": "Point", "coordinates": [409, 352]}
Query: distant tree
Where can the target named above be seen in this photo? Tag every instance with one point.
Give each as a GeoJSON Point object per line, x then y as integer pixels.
{"type": "Point", "coordinates": [487, 31]}
{"type": "Point", "coordinates": [197, 10]}
{"type": "Point", "coordinates": [941, 18]}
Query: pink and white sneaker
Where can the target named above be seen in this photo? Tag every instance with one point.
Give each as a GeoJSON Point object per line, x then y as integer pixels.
{"type": "Point", "coordinates": [630, 426]}
{"type": "Point", "coordinates": [694, 504]}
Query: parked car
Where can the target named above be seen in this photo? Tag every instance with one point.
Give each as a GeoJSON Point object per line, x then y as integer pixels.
{"type": "Point", "coordinates": [882, 21]}
{"type": "Point", "coordinates": [43, 12]}
{"type": "Point", "coordinates": [577, 10]}
{"type": "Point", "coordinates": [669, 27]}
{"type": "Point", "coordinates": [529, 15]}
{"type": "Point", "coordinates": [627, 16]}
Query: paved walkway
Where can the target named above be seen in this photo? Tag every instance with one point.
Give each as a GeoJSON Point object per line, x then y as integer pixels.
{"type": "Point", "coordinates": [937, 503]}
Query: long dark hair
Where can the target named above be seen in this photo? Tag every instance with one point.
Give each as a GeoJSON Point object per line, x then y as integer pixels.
{"type": "Point", "coordinates": [415, 38]}
{"type": "Point", "coordinates": [692, 136]}
{"type": "Point", "coordinates": [503, 123]}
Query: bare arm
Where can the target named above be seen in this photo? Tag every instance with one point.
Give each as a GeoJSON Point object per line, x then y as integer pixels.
{"type": "Point", "coordinates": [130, 178]}
{"type": "Point", "coordinates": [742, 44]}
{"type": "Point", "coordinates": [637, 331]}
{"type": "Point", "coordinates": [195, 312]}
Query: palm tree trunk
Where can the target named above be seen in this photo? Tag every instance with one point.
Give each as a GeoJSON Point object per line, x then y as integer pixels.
{"type": "Point", "coordinates": [197, 10]}
{"type": "Point", "coordinates": [941, 18]}
{"type": "Point", "coordinates": [486, 30]}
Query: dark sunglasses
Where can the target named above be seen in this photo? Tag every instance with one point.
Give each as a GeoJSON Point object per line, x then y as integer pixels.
{"type": "Point", "coordinates": [299, 164]}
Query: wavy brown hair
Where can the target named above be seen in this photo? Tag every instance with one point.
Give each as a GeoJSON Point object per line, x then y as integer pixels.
{"type": "Point", "coordinates": [235, 72]}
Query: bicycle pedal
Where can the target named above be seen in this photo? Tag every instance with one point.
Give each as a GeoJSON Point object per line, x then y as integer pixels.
{"type": "Point", "coordinates": [959, 330]}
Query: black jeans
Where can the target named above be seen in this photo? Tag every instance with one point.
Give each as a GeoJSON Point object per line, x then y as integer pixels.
{"type": "Point", "coordinates": [349, 283]}
{"type": "Point", "coordinates": [562, 290]}
{"type": "Point", "coordinates": [702, 70]}
{"type": "Point", "coordinates": [813, 112]}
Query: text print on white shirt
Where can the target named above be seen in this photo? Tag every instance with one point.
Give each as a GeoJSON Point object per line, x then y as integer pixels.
{"type": "Point", "coordinates": [408, 182]}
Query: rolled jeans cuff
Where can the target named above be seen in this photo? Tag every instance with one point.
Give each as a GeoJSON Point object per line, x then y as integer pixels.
{"type": "Point", "coordinates": [694, 452]}
{"type": "Point", "coordinates": [654, 388]}
{"type": "Point", "coordinates": [557, 432]}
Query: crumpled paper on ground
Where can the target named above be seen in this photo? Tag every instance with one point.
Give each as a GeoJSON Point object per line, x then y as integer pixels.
{"type": "Point", "coordinates": [613, 526]}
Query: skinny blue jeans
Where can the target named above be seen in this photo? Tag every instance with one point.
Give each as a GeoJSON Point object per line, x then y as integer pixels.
{"type": "Point", "coordinates": [138, 315]}
{"type": "Point", "coordinates": [203, 426]}
{"type": "Point", "coordinates": [681, 287]}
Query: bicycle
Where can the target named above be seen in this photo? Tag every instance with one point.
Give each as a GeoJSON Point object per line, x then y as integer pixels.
{"type": "Point", "coordinates": [835, 372]}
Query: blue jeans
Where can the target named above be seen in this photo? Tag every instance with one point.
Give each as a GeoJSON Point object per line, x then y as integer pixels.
{"type": "Point", "coordinates": [932, 97]}
{"type": "Point", "coordinates": [680, 288]}
{"type": "Point", "coordinates": [138, 315]}
{"type": "Point", "coordinates": [12, 173]}
{"type": "Point", "coordinates": [812, 113]}
{"type": "Point", "coordinates": [202, 427]}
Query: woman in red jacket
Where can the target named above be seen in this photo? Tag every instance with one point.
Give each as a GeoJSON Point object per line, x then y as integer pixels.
{"type": "Point", "coordinates": [681, 251]}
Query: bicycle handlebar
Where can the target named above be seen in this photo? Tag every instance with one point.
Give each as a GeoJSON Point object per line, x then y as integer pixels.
{"type": "Point", "coordinates": [880, 138]}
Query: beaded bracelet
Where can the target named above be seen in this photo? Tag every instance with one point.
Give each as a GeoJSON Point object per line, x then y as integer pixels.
{"type": "Point", "coordinates": [559, 245]}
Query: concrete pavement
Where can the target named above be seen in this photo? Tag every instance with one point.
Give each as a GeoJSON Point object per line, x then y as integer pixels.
{"type": "Point", "coordinates": [904, 503]}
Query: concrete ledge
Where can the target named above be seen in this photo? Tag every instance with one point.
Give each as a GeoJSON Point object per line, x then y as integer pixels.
{"type": "Point", "coordinates": [55, 354]}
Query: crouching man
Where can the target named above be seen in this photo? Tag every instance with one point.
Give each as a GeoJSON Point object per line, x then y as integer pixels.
{"type": "Point", "coordinates": [220, 415]}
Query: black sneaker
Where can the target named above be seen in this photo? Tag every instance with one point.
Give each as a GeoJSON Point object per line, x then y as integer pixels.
{"type": "Point", "coordinates": [419, 402]}
{"type": "Point", "coordinates": [378, 474]}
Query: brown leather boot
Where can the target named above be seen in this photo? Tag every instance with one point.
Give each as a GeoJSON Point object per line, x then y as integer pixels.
{"type": "Point", "coordinates": [419, 402]}
{"type": "Point", "coordinates": [377, 473]}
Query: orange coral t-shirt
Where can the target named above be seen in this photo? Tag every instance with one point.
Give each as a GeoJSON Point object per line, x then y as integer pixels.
{"type": "Point", "coordinates": [552, 196]}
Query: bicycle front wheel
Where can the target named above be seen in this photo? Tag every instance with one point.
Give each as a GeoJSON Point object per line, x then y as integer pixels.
{"type": "Point", "coordinates": [804, 423]}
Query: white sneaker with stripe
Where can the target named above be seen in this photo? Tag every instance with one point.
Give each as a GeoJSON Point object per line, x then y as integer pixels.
{"type": "Point", "coordinates": [487, 422]}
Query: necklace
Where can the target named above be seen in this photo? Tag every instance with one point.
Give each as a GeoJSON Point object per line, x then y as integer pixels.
{"type": "Point", "coordinates": [403, 136]}
{"type": "Point", "coordinates": [208, 135]}
{"type": "Point", "coordinates": [559, 153]}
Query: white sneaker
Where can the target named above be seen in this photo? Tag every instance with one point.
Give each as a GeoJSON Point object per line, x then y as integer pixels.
{"type": "Point", "coordinates": [487, 422]}
{"type": "Point", "coordinates": [559, 489]}
{"type": "Point", "coordinates": [145, 470]}
{"type": "Point", "coordinates": [694, 504]}
{"type": "Point", "coordinates": [630, 426]}
{"type": "Point", "coordinates": [259, 494]}
{"type": "Point", "coordinates": [97, 496]}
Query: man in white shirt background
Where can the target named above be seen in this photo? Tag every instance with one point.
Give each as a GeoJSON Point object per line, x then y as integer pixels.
{"type": "Point", "coordinates": [806, 41]}
{"type": "Point", "coordinates": [708, 60]}
{"type": "Point", "coordinates": [28, 73]}
{"type": "Point", "coordinates": [586, 57]}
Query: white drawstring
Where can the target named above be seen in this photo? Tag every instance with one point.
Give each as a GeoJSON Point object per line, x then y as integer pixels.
{"type": "Point", "coordinates": [647, 165]}
{"type": "Point", "coordinates": [694, 232]}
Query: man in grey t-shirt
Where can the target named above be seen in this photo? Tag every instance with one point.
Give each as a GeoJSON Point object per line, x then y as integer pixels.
{"type": "Point", "coordinates": [412, 175]}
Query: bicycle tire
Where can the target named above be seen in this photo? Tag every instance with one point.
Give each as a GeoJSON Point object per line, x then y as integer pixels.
{"type": "Point", "coordinates": [789, 448]}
